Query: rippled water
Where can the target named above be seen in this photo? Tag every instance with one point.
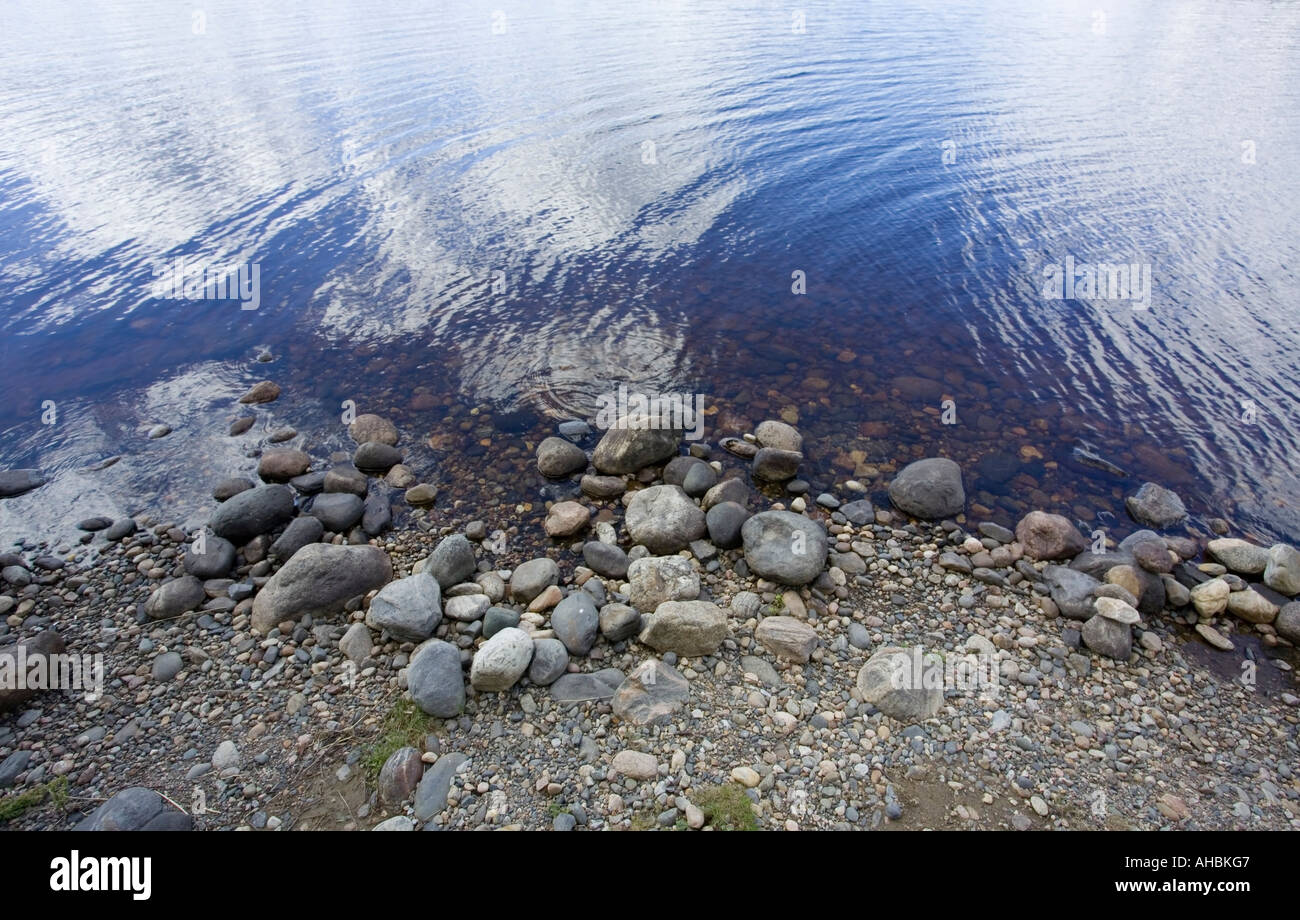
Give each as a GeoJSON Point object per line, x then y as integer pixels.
{"type": "Point", "coordinates": [460, 205]}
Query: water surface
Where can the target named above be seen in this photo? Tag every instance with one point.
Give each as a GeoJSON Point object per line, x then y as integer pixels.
{"type": "Point", "coordinates": [502, 210]}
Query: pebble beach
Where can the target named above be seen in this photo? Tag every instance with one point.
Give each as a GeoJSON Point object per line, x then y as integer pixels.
{"type": "Point", "coordinates": [648, 633]}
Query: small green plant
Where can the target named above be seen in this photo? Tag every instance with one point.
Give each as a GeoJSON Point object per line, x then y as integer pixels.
{"type": "Point", "coordinates": [405, 725]}
{"type": "Point", "coordinates": [725, 807]}
{"type": "Point", "coordinates": [556, 809]}
{"type": "Point", "coordinates": [17, 804]}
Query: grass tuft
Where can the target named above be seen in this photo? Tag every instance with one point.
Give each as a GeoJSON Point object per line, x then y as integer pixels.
{"type": "Point", "coordinates": [725, 807]}
{"type": "Point", "coordinates": [405, 725]}
{"type": "Point", "coordinates": [17, 804]}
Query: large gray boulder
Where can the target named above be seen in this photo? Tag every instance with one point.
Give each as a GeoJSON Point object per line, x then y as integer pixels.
{"type": "Point", "coordinates": [1155, 506]}
{"type": "Point", "coordinates": [409, 608]}
{"type": "Point", "coordinates": [1109, 637]}
{"type": "Point", "coordinates": [532, 578]}
{"type": "Point", "coordinates": [929, 489]}
{"type": "Point", "coordinates": [664, 520]}
{"type": "Point", "coordinates": [785, 547]}
{"type": "Point", "coordinates": [253, 512]}
{"type": "Point", "coordinates": [652, 580]}
{"type": "Point", "coordinates": [319, 580]}
{"type": "Point", "coordinates": [904, 684]}
{"type": "Point", "coordinates": [1049, 536]}
{"type": "Point", "coordinates": [557, 458]}
{"type": "Point", "coordinates": [180, 595]}
{"type": "Point", "coordinates": [629, 446]}
{"type": "Point", "coordinates": [136, 809]}
{"type": "Point", "coordinates": [452, 561]}
{"type": "Point", "coordinates": [302, 531]}
{"type": "Point", "coordinates": [338, 512]}
{"type": "Point", "coordinates": [576, 622]}
{"type": "Point", "coordinates": [1238, 555]}
{"type": "Point", "coordinates": [216, 560]}
{"type": "Point", "coordinates": [688, 628]}
{"type": "Point", "coordinates": [1282, 573]}
{"type": "Point", "coordinates": [501, 661]}
{"type": "Point", "coordinates": [1071, 590]}
{"type": "Point", "coordinates": [651, 694]}
{"type": "Point", "coordinates": [16, 482]}
{"type": "Point", "coordinates": [436, 680]}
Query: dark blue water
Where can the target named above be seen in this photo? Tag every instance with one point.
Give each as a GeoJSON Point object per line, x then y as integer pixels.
{"type": "Point", "coordinates": [476, 223]}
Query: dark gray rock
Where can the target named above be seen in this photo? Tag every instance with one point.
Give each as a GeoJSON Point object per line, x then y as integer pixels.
{"type": "Point", "coordinates": [1155, 506]}
{"type": "Point", "coordinates": [166, 666]}
{"type": "Point", "coordinates": [302, 531]}
{"type": "Point", "coordinates": [532, 578]}
{"type": "Point", "coordinates": [557, 458]}
{"type": "Point", "coordinates": [724, 521]}
{"type": "Point", "coordinates": [376, 456]}
{"type": "Point", "coordinates": [180, 595]}
{"type": "Point", "coordinates": [497, 619]}
{"type": "Point", "coordinates": [699, 479]}
{"type": "Point", "coordinates": [929, 489]}
{"type": "Point", "coordinates": [13, 766]}
{"type": "Point", "coordinates": [773, 465]}
{"type": "Point", "coordinates": [663, 519]}
{"type": "Point", "coordinates": [431, 794]}
{"type": "Point", "coordinates": [550, 659]}
{"type": "Point", "coordinates": [377, 515]}
{"type": "Point", "coordinates": [319, 580]}
{"type": "Point", "coordinates": [309, 483]}
{"type": "Point", "coordinates": [120, 530]}
{"type": "Point", "coordinates": [256, 511]}
{"type": "Point", "coordinates": [577, 688]}
{"type": "Point", "coordinates": [135, 809]}
{"type": "Point", "coordinates": [452, 561]}
{"type": "Point", "coordinates": [619, 622]}
{"type": "Point", "coordinates": [216, 560]}
{"type": "Point", "coordinates": [1071, 590]}
{"type": "Point", "coordinates": [576, 622]}
{"type": "Point", "coordinates": [436, 680]}
{"type": "Point", "coordinates": [409, 608]}
{"type": "Point", "coordinates": [605, 559]}
{"type": "Point", "coordinates": [858, 513]}
{"type": "Point", "coordinates": [651, 694]}
{"type": "Point", "coordinates": [339, 512]}
{"type": "Point", "coordinates": [784, 547]}
{"type": "Point", "coordinates": [1107, 637]}
{"type": "Point", "coordinates": [16, 482]}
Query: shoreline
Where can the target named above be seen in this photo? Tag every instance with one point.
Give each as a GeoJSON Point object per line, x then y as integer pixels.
{"type": "Point", "coordinates": [763, 651]}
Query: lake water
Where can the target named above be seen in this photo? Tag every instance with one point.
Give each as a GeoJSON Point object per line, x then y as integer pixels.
{"type": "Point", "coordinates": [477, 217]}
